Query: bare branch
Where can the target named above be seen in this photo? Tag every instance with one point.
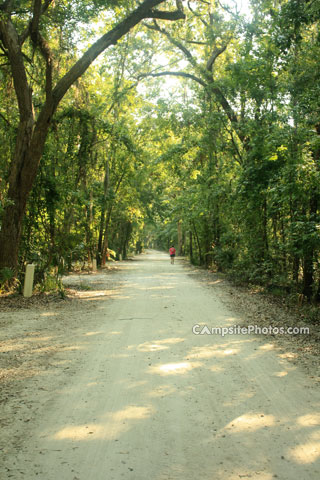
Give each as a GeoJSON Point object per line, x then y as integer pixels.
{"type": "Point", "coordinates": [194, 42]}
{"type": "Point", "coordinates": [215, 54]}
{"type": "Point", "coordinates": [172, 40]}
{"type": "Point", "coordinates": [5, 120]}
{"type": "Point", "coordinates": [228, 9]}
{"type": "Point", "coordinates": [198, 15]}
{"type": "Point", "coordinates": [175, 74]}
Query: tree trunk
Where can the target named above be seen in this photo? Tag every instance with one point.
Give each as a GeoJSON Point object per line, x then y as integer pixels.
{"type": "Point", "coordinates": [28, 152]}
{"type": "Point", "coordinates": [308, 267]}
{"type": "Point", "coordinates": [180, 237]}
{"type": "Point", "coordinates": [198, 244]}
{"type": "Point", "coordinates": [308, 272]}
{"type": "Point", "coordinates": [190, 246]}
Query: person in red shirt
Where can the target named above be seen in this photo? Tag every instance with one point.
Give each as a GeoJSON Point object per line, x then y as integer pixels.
{"type": "Point", "coordinates": [172, 252]}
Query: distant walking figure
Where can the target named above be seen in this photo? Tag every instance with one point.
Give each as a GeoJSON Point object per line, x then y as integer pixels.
{"type": "Point", "coordinates": [172, 252]}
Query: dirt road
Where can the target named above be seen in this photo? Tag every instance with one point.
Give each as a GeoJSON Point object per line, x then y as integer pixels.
{"type": "Point", "coordinates": [130, 392]}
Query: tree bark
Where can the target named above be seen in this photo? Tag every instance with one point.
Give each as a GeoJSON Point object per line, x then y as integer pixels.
{"type": "Point", "coordinates": [180, 237]}
{"type": "Point", "coordinates": [190, 246]}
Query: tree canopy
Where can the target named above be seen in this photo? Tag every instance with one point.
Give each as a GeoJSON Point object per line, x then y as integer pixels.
{"type": "Point", "coordinates": [195, 124]}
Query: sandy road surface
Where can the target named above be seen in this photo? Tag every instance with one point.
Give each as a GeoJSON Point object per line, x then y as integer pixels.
{"type": "Point", "coordinates": [133, 394]}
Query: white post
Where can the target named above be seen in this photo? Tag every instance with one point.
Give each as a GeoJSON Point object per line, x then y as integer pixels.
{"type": "Point", "coordinates": [120, 257]}
{"type": "Point", "coordinates": [94, 265]}
{"type": "Point", "coordinates": [28, 280]}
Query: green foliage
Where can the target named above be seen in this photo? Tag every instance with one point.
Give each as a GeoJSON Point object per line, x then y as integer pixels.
{"type": "Point", "coordinates": [51, 283]}
{"type": "Point", "coordinates": [6, 277]}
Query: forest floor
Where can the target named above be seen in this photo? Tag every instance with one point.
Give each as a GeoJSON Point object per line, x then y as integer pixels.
{"type": "Point", "coordinates": [111, 383]}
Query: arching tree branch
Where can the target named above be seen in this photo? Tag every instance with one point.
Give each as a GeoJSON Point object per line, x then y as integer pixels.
{"type": "Point", "coordinates": [175, 74]}
{"type": "Point", "coordinates": [145, 10]}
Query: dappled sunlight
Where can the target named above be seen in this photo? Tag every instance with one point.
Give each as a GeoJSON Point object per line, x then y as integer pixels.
{"type": "Point", "coordinates": [123, 297]}
{"type": "Point", "coordinates": [95, 294]}
{"type": "Point", "coordinates": [216, 369]}
{"type": "Point", "coordinates": [266, 347]}
{"type": "Point", "coordinates": [90, 334]}
{"type": "Point", "coordinates": [80, 432]}
{"type": "Point", "coordinates": [37, 338]}
{"type": "Point", "coordinates": [280, 374]}
{"type": "Point", "coordinates": [231, 320]}
{"type": "Point", "coordinates": [11, 346]}
{"type": "Point", "coordinates": [72, 347]}
{"type": "Point", "coordinates": [211, 351]}
{"type": "Point", "coordinates": [162, 391]}
{"type": "Point", "coordinates": [172, 340]}
{"type": "Point", "coordinates": [61, 362]}
{"type": "Point", "coordinates": [153, 393]}
{"type": "Point", "coordinates": [309, 420]}
{"type": "Point", "coordinates": [27, 355]}
{"type": "Point", "coordinates": [289, 355]}
{"type": "Point", "coordinates": [250, 422]}
{"type": "Point", "coordinates": [51, 349]}
{"type": "Point", "coordinates": [231, 351]}
{"type": "Point", "coordinates": [10, 374]}
{"type": "Point", "coordinates": [132, 412]}
{"type": "Point", "coordinates": [214, 282]}
{"type": "Point", "coordinates": [151, 347]}
{"type": "Point", "coordinates": [174, 368]}
{"type": "Point", "coordinates": [158, 344]}
{"type": "Point", "coordinates": [116, 423]}
{"type": "Point", "coordinates": [308, 452]}
{"type": "Point", "coordinates": [241, 397]}
{"type": "Point", "coordinates": [136, 384]}
{"type": "Point", "coordinates": [162, 287]}
{"type": "Point", "coordinates": [91, 295]}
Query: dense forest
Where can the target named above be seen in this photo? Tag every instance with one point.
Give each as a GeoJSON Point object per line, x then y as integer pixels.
{"type": "Point", "coordinates": [129, 124]}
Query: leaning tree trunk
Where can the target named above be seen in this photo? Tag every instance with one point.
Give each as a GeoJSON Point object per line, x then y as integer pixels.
{"type": "Point", "coordinates": [29, 148]}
